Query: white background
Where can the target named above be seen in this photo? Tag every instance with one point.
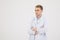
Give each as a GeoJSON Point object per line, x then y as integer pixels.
{"type": "Point", "coordinates": [16, 15]}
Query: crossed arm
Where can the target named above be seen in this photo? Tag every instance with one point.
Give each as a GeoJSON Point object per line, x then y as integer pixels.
{"type": "Point", "coordinates": [35, 29]}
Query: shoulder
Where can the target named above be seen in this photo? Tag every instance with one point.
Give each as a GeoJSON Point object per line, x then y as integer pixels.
{"type": "Point", "coordinates": [34, 19]}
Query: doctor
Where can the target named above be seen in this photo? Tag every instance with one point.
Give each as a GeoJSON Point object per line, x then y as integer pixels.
{"type": "Point", "coordinates": [38, 28]}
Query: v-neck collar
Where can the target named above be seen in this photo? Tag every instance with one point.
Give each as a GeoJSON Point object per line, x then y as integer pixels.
{"type": "Point", "coordinates": [39, 18]}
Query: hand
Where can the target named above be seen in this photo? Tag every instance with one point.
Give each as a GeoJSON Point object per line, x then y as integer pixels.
{"type": "Point", "coordinates": [36, 33]}
{"type": "Point", "coordinates": [34, 29]}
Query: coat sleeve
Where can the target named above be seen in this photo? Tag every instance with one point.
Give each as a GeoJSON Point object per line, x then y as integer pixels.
{"type": "Point", "coordinates": [43, 28]}
{"type": "Point", "coordinates": [30, 29]}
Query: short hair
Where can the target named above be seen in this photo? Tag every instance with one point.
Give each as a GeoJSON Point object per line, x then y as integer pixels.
{"type": "Point", "coordinates": [39, 6]}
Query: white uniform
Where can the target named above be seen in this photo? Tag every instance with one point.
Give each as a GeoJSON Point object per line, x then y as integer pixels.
{"type": "Point", "coordinates": [41, 28]}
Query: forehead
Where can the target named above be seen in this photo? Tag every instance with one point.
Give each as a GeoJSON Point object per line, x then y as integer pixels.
{"type": "Point", "coordinates": [37, 8]}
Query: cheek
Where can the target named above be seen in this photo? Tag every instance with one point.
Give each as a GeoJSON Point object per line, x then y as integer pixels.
{"type": "Point", "coordinates": [38, 12]}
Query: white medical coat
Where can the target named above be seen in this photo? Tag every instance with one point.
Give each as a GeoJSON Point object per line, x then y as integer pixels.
{"type": "Point", "coordinates": [41, 28]}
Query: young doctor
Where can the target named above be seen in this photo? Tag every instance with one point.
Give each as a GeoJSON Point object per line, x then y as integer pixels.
{"type": "Point", "coordinates": [38, 28]}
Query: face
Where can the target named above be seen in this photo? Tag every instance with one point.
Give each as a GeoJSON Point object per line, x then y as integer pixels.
{"type": "Point", "coordinates": [38, 12]}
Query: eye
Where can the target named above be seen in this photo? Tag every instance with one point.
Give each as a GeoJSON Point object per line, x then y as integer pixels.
{"type": "Point", "coordinates": [36, 10]}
